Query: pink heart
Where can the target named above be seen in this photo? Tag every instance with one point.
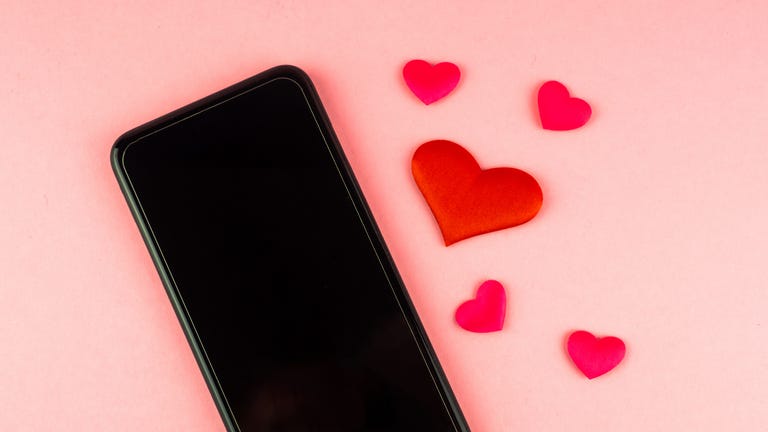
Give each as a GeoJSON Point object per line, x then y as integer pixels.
{"type": "Point", "coordinates": [558, 110]}
{"type": "Point", "coordinates": [431, 83]}
{"type": "Point", "coordinates": [595, 356]}
{"type": "Point", "coordinates": [485, 313]}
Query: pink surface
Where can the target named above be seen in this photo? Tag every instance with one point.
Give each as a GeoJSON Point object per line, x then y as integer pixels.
{"type": "Point", "coordinates": [653, 225]}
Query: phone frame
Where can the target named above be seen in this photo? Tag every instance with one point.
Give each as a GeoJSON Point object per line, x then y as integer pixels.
{"type": "Point", "coordinates": [385, 259]}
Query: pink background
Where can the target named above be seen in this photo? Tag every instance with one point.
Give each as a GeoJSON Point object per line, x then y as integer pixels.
{"type": "Point", "coordinates": [653, 227]}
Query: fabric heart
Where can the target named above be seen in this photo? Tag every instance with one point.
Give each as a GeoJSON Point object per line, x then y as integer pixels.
{"type": "Point", "coordinates": [431, 83]}
{"type": "Point", "coordinates": [595, 356]}
{"type": "Point", "coordinates": [486, 312]}
{"type": "Point", "coordinates": [466, 200]}
{"type": "Point", "coordinates": [558, 110]}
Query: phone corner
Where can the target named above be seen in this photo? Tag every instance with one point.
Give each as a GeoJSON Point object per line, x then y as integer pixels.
{"type": "Point", "coordinates": [295, 74]}
{"type": "Point", "coordinates": [117, 150]}
{"type": "Point", "coordinates": [290, 70]}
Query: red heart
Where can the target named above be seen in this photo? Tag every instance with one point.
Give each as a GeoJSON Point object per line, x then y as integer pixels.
{"type": "Point", "coordinates": [485, 314]}
{"type": "Point", "coordinates": [431, 83]}
{"type": "Point", "coordinates": [467, 200]}
{"type": "Point", "coordinates": [594, 356]}
{"type": "Point", "coordinates": [559, 111]}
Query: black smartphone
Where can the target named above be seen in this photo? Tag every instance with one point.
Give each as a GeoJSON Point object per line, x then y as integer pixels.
{"type": "Point", "coordinates": [279, 276]}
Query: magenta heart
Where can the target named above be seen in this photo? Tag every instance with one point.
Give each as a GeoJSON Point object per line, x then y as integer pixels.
{"type": "Point", "coordinates": [431, 83]}
{"type": "Point", "coordinates": [486, 312]}
{"type": "Point", "coordinates": [558, 110]}
{"type": "Point", "coordinates": [595, 356]}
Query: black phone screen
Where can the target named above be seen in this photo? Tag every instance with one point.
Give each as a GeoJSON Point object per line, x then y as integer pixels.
{"type": "Point", "coordinates": [250, 211]}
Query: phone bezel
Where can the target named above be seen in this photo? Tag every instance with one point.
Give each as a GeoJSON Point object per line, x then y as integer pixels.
{"type": "Point", "coordinates": [398, 288]}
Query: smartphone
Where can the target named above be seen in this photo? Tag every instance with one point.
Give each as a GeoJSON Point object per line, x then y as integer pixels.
{"type": "Point", "coordinates": [277, 272]}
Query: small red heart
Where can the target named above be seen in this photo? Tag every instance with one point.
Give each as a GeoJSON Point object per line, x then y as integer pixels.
{"type": "Point", "coordinates": [431, 83]}
{"type": "Point", "coordinates": [466, 200]}
{"type": "Point", "coordinates": [558, 110]}
{"type": "Point", "coordinates": [485, 313]}
{"type": "Point", "coordinates": [595, 356]}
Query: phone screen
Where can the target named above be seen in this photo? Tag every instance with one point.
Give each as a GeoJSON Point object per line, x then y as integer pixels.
{"type": "Point", "coordinates": [275, 268]}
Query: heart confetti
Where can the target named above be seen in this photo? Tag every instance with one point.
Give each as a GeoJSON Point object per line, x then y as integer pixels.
{"type": "Point", "coordinates": [558, 110]}
{"type": "Point", "coordinates": [595, 356]}
{"type": "Point", "coordinates": [431, 83]}
{"type": "Point", "coordinates": [467, 200]}
{"type": "Point", "coordinates": [485, 313]}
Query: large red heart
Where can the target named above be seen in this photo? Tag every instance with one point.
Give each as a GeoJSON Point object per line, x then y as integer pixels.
{"type": "Point", "coordinates": [486, 312]}
{"type": "Point", "coordinates": [467, 200]}
{"type": "Point", "coordinates": [431, 83]}
{"type": "Point", "coordinates": [558, 110]}
{"type": "Point", "coordinates": [595, 356]}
